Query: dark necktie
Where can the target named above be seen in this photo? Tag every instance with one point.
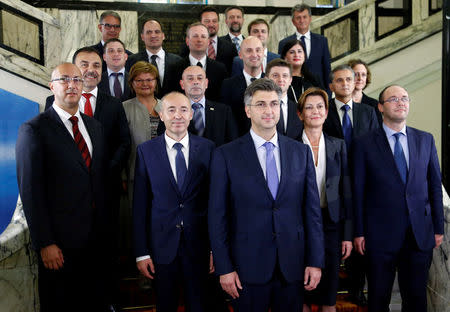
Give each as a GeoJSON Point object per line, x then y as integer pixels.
{"type": "Point", "coordinates": [271, 169]}
{"type": "Point", "coordinates": [302, 38]}
{"type": "Point", "coordinates": [399, 157]}
{"type": "Point", "coordinates": [347, 128]}
{"type": "Point", "coordinates": [80, 142]}
{"type": "Point", "coordinates": [153, 62]}
{"type": "Point", "coordinates": [198, 118]}
{"type": "Point", "coordinates": [117, 85]}
{"type": "Point", "coordinates": [282, 117]}
{"type": "Point", "coordinates": [200, 64]}
{"type": "Point", "coordinates": [180, 165]}
{"type": "Point", "coordinates": [87, 105]}
{"type": "Point", "coordinates": [252, 79]}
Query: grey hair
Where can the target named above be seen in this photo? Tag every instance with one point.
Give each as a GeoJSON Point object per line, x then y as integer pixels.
{"type": "Point", "coordinates": [262, 84]}
{"type": "Point", "coordinates": [339, 68]}
{"type": "Point", "coordinates": [300, 8]}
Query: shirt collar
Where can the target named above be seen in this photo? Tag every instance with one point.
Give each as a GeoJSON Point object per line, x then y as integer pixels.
{"type": "Point", "coordinates": [265, 52]}
{"type": "Point", "coordinates": [119, 71]}
{"type": "Point", "coordinates": [285, 100]}
{"type": "Point", "coordinates": [213, 38]}
{"type": "Point", "coordinates": [390, 132]}
{"type": "Point", "coordinates": [161, 53]}
{"type": "Point", "coordinates": [63, 114]}
{"type": "Point", "coordinates": [240, 37]}
{"type": "Point", "coordinates": [259, 141]}
{"type": "Point", "coordinates": [307, 35]}
{"type": "Point", "coordinates": [194, 61]}
{"type": "Point", "coordinates": [339, 104]}
{"type": "Point", "coordinates": [202, 101]}
{"type": "Point", "coordinates": [248, 77]}
{"type": "Point", "coordinates": [93, 92]}
{"type": "Point", "coordinates": [171, 142]}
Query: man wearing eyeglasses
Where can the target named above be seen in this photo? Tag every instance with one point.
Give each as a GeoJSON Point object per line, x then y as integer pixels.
{"type": "Point", "coordinates": [109, 26]}
{"type": "Point", "coordinates": [264, 214]}
{"type": "Point", "coordinates": [398, 204]}
{"type": "Point", "coordinates": [60, 170]}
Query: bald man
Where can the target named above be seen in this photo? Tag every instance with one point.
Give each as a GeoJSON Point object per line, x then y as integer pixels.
{"type": "Point", "coordinates": [60, 172]}
{"type": "Point", "coordinates": [252, 54]}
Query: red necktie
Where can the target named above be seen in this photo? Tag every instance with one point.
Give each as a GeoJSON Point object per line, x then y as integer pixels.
{"type": "Point", "coordinates": [80, 142]}
{"type": "Point", "coordinates": [87, 105]}
{"type": "Point", "coordinates": [211, 51]}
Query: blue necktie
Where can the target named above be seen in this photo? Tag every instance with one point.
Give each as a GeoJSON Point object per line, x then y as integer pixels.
{"type": "Point", "coordinates": [302, 38]}
{"type": "Point", "coordinates": [236, 43]}
{"type": "Point", "coordinates": [271, 169]}
{"type": "Point", "coordinates": [399, 157]}
{"type": "Point", "coordinates": [180, 165]}
{"type": "Point", "coordinates": [347, 128]}
{"type": "Point", "coordinates": [198, 118]}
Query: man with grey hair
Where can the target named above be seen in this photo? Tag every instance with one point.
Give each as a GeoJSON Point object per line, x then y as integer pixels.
{"type": "Point", "coordinates": [347, 119]}
{"type": "Point", "coordinates": [317, 52]}
{"type": "Point", "coordinates": [109, 26]}
{"type": "Point", "coordinates": [265, 232]}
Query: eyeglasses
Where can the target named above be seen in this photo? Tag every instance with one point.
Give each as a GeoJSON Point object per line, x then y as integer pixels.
{"type": "Point", "coordinates": [67, 80]}
{"type": "Point", "coordinates": [395, 99]}
{"type": "Point", "coordinates": [141, 81]}
{"type": "Point", "coordinates": [263, 106]}
{"type": "Point", "coordinates": [110, 26]}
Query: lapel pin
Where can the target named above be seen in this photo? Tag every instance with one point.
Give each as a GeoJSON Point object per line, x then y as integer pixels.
{"type": "Point", "coordinates": [211, 108]}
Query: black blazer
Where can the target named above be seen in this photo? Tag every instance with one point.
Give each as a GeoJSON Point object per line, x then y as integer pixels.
{"type": "Point", "coordinates": [364, 120]}
{"type": "Point", "coordinates": [294, 127]}
{"type": "Point", "coordinates": [99, 48]}
{"type": "Point", "coordinates": [233, 90]}
{"type": "Point", "coordinates": [171, 61]}
{"type": "Point", "coordinates": [374, 103]}
{"type": "Point", "coordinates": [220, 126]}
{"type": "Point", "coordinates": [103, 86]}
{"type": "Point", "coordinates": [109, 112]}
{"type": "Point", "coordinates": [215, 72]}
{"type": "Point", "coordinates": [63, 201]}
{"type": "Point", "coordinates": [226, 51]}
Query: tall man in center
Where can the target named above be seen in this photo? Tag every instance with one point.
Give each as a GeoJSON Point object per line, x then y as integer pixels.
{"type": "Point", "coordinates": [264, 214]}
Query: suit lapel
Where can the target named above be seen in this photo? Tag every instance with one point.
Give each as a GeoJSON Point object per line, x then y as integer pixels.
{"type": "Point", "coordinates": [95, 139]}
{"type": "Point", "coordinates": [98, 105]}
{"type": "Point", "coordinates": [333, 118]}
{"type": "Point", "coordinates": [164, 161]}
{"type": "Point", "coordinates": [386, 152]}
{"type": "Point", "coordinates": [356, 119]}
{"type": "Point", "coordinates": [209, 119]}
{"type": "Point", "coordinates": [193, 152]}
{"type": "Point", "coordinates": [413, 150]}
{"type": "Point", "coordinates": [330, 150]}
{"type": "Point", "coordinates": [284, 161]}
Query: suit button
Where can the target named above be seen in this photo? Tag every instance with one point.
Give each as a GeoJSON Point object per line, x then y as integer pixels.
{"type": "Point", "coordinates": [275, 208]}
{"type": "Point", "coordinates": [178, 226]}
{"type": "Point", "coordinates": [181, 206]}
{"type": "Point", "coordinates": [274, 234]}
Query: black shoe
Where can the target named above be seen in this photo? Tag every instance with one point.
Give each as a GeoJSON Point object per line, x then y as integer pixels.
{"type": "Point", "coordinates": [358, 298]}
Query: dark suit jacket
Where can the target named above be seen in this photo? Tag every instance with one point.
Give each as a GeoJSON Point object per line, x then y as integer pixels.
{"type": "Point", "coordinates": [294, 127]}
{"type": "Point", "coordinates": [99, 48]}
{"type": "Point", "coordinates": [318, 61]}
{"type": "Point", "coordinates": [215, 72]}
{"type": "Point", "coordinates": [226, 51]}
{"type": "Point", "coordinates": [238, 65]}
{"type": "Point", "coordinates": [159, 206]}
{"type": "Point", "coordinates": [374, 103]}
{"type": "Point", "coordinates": [171, 71]}
{"type": "Point", "coordinates": [384, 206]}
{"type": "Point", "coordinates": [220, 126]}
{"type": "Point", "coordinates": [64, 201]}
{"type": "Point", "coordinates": [364, 120]}
{"type": "Point", "coordinates": [249, 230]}
{"type": "Point", "coordinates": [103, 86]}
{"type": "Point", "coordinates": [109, 112]}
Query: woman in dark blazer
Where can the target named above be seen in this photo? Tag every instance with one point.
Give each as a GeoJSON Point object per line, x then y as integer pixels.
{"type": "Point", "coordinates": [363, 77]}
{"type": "Point", "coordinates": [293, 52]}
{"type": "Point", "coordinates": [333, 183]}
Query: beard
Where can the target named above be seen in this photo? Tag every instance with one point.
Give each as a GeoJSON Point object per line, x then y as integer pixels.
{"type": "Point", "coordinates": [236, 27]}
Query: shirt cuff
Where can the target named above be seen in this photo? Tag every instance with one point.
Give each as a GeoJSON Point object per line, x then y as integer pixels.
{"type": "Point", "coordinates": [142, 258]}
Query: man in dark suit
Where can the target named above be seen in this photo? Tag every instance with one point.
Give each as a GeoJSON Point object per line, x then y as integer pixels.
{"type": "Point", "coordinates": [280, 72]}
{"type": "Point", "coordinates": [153, 36]}
{"type": "Point", "coordinates": [114, 80]}
{"type": "Point", "coordinates": [233, 88]}
{"type": "Point", "coordinates": [60, 172]}
{"type": "Point", "coordinates": [398, 205]}
{"type": "Point", "coordinates": [234, 19]}
{"type": "Point", "coordinates": [170, 207]}
{"type": "Point", "coordinates": [109, 26]}
{"type": "Point", "coordinates": [266, 233]}
{"type": "Point", "coordinates": [197, 41]}
{"type": "Point", "coordinates": [258, 28]}
{"type": "Point", "coordinates": [218, 49]}
{"type": "Point", "coordinates": [318, 54]}
{"type": "Point", "coordinates": [346, 119]}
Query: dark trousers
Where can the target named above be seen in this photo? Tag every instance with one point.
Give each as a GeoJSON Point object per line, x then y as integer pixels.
{"type": "Point", "coordinates": [277, 294]}
{"type": "Point", "coordinates": [412, 265]}
{"type": "Point", "coordinates": [184, 271]}
{"type": "Point", "coordinates": [78, 286]}
{"type": "Point", "coordinates": [355, 266]}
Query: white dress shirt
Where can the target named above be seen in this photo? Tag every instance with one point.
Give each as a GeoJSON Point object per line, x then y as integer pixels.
{"type": "Point", "coordinates": [68, 124]}
{"type": "Point", "coordinates": [264, 61]}
{"type": "Point", "coordinates": [307, 41]}
{"type": "Point", "coordinates": [112, 79]}
{"type": "Point", "coordinates": [340, 112]}
{"type": "Point", "coordinates": [172, 153]}
{"type": "Point", "coordinates": [261, 151]}
{"type": "Point", "coordinates": [403, 141]}
{"type": "Point", "coordinates": [321, 168]}
{"type": "Point", "coordinates": [92, 99]}
{"type": "Point", "coordinates": [284, 110]}
{"type": "Point", "coordinates": [194, 61]}
{"type": "Point", "coordinates": [248, 77]}
{"type": "Point", "coordinates": [160, 61]}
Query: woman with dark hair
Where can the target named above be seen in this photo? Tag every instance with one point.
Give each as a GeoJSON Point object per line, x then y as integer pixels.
{"type": "Point", "coordinates": [363, 77]}
{"type": "Point", "coordinates": [294, 53]}
{"type": "Point", "coordinates": [333, 183]}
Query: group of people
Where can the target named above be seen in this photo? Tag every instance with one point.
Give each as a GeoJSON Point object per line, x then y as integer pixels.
{"type": "Point", "coordinates": [237, 164]}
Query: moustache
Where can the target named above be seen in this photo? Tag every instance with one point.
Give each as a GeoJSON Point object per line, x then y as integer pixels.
{"type": "Point", "coordinates": [90, 75]}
